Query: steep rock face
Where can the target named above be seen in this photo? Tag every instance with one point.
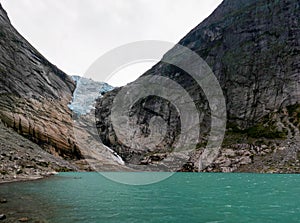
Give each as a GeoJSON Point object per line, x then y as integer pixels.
{"type": "Point", "coordinates": [21, 159]}
{"type": "Point", "coordinates": [253, 48]}
{"type": "Point", "coordinates": [34, 94]}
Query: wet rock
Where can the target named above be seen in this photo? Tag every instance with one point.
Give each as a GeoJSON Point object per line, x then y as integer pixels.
{"type": "Point", "coordinates": [2, 216]}
{"type": "Point", "coordinates": [188, 167]}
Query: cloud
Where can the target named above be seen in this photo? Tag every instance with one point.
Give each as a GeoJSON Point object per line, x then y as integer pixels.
{"type": "Point", "coordinates": [74, 33]}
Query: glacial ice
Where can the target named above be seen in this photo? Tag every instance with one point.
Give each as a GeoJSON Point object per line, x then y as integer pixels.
{"type": "Point", "coordinates": [85, 94]}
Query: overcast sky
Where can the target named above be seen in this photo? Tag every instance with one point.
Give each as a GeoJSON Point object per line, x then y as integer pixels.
{"type": "Point", "coordinates": [72, 34]}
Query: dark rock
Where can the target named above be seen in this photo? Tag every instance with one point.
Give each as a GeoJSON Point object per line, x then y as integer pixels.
{"type": "Point", "coordinates": [42, 163]}
{"type": "Point", "coordinates": [3, 200]}
{"type": "Point", "coordinates": [188, 167]}
{"type": "Point", "coordinates": [2, 216]}
{"type": "Point", "coordinates": [157, 157]}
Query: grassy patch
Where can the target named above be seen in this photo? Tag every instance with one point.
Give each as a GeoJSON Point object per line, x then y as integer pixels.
{"type": "Point", "coordinates": [266, 131]}
{"type": "Point", "coordinates": [234, 138]}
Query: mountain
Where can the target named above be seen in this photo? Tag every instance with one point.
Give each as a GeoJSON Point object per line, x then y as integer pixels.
{"type": "Point", "coordinates": [37, 127]}
{"type": "Point", "coordinates": [253, 48]}
{"type": "Point", "coordinates": [34, 94]}
{"type": "Point", "coordinates": [33, 102]}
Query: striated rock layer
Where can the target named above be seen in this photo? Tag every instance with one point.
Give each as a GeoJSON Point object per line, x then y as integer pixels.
{"type": "Point", "coordinates": [253, 48]}
{"type": "Point", "coordinates": [21, 159]}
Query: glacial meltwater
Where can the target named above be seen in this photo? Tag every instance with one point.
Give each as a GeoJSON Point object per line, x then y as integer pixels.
{"type": "Point", "coordinates": [183, 197]}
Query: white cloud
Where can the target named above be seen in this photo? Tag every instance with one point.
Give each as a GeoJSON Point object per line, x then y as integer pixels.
{"type": "Point", "coordinates": [73, 33]}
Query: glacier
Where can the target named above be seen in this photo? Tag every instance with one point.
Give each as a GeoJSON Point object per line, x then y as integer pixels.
{"type": "Point", "coordinates": [85, 94]}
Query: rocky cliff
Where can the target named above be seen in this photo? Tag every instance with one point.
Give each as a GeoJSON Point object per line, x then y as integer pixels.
{"type": "Point", "coordinates": [36, 124]}
{"type": "Point", "coordinates": [253, 48]}
{"type": "Point", "coordinates": [34, 94]}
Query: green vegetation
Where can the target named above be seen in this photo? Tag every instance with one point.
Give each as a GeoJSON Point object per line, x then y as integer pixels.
{"type": "Point", "coordinates": [63, 169]}
{"type": "Point", "coordinates": [267, 127]}
{"type": "Point", "coordinates": [232, 137]}
{"type": "Point", "coordinates": [294, 111]}
{"type": "Point", "coordinates": [3, 172]}
{"type": "Point", "coordinates": [266, 131]}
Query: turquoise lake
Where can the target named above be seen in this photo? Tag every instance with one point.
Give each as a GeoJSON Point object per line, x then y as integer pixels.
{"type": "Point", "coordinates": [183, 197]}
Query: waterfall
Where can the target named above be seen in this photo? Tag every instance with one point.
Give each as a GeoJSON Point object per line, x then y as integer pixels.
{"type": "Point", "coordinates": [116, 157]}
